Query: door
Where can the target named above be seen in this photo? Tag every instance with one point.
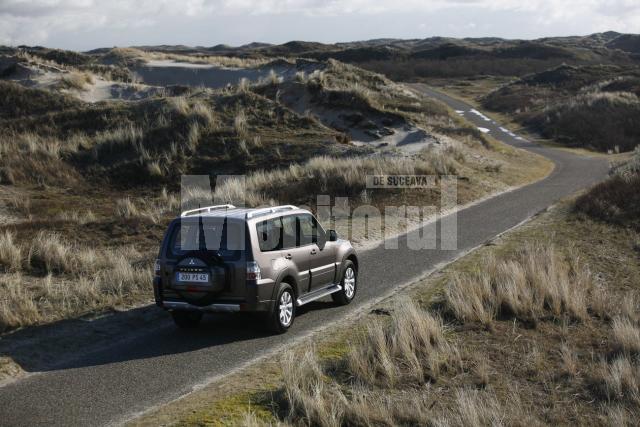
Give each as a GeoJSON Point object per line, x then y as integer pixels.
{"type": "Point", "coordinates": [277, 239]}
{"type": "Point", "coordinates": [292, 252]}
{"type": "Point", "coordinates": [322, 267]}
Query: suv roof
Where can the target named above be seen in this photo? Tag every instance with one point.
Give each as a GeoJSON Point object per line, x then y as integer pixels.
{"type": "Point", "coordinates": [240, 213]}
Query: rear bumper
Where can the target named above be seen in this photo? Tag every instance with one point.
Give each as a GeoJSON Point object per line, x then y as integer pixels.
{"type": "Point", "coordinates": [215, 308]}
{"type": "Point", "coordinates": [221, 307]}
{"type": "Point", "coordinates": [254, 300]}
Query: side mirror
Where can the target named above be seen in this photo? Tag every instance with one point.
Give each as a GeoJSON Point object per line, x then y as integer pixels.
{"type": "Point", "coordinates": [333, 236]}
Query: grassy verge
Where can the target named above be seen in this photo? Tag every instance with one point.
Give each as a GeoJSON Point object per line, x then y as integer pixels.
{"type": "Point", "coordinates": [539, 326]}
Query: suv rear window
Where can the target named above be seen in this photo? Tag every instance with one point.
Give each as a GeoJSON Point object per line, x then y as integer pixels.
{"type": "Point", "coordinates": [214, 234]}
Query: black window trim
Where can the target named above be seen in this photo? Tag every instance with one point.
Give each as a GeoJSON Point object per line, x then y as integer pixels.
{"type": "Point", "coordinates": [297, 216]}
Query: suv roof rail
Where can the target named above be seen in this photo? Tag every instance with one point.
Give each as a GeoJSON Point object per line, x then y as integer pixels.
{"type": "Point", "coordinates": [206, 209]}
{"type": "Point", "coordinates": [265, 211]}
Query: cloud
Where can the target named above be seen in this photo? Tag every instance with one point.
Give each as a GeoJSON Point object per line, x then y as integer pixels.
{"type": "Point", "coordinates": [34, 21]}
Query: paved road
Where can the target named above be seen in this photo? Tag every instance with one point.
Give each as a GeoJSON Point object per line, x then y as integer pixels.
{"type": "Point", "coordinates": [163, 363]}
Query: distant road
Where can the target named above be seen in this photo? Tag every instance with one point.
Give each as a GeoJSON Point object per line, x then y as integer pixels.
{"type": "Point", "coordinates": [163, 363]}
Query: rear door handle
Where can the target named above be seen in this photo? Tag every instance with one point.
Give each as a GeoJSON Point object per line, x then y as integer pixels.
{"type": "Point", "coordinates": [313, 252]}
{"type": "Point", "coordinates": [288, 256]}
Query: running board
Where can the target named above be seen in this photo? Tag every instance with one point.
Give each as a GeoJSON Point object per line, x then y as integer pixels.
{"type": "Point", "coordinates": [318, 294]}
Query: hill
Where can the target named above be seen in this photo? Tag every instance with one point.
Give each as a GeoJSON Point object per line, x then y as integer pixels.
{"type": "Point", "coordinates": [594, 106]}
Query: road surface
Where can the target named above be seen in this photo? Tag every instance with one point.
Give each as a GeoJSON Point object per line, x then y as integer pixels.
{"type": "Point", "coordinates": [163, 363]}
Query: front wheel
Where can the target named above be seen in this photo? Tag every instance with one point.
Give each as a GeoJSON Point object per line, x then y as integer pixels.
{"type": "Point", "coordinates": [186, 319]}
{"type": "Point", "coordinates": [349, 285]}
{"type": "Point", "coordinates": [284, 311]}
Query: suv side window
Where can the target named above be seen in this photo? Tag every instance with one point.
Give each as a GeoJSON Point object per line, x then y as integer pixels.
{"type": "Point", "coordinates": [308, 227]}
{"type": "Point", "coordinates": [288, 232]}
{"type": "Point", "coordinates": [269, 234]}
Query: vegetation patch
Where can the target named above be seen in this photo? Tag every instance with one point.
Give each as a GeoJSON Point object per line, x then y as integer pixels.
{"type": "Point", "coordinates": [590, 106]}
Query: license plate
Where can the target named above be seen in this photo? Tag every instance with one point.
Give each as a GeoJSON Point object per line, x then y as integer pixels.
{"type": "Point", "coordinates": [193, 277]}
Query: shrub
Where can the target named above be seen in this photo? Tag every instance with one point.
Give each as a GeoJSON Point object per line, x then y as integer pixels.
{"type": "Point", "coordinates": [617, 199]}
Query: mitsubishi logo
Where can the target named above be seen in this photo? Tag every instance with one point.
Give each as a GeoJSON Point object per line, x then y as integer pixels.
{"type": "Point", "coordinates": [192, 261]}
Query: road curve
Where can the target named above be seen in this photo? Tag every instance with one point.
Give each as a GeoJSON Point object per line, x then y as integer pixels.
{"type": "Point", "coordinates": [164, 363]}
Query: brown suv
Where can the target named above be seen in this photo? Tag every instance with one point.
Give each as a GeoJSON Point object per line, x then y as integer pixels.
{"type": "Point", "coordinates": [272, 260]}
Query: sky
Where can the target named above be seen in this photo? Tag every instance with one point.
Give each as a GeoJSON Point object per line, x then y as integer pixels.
{"type": "Point", "coordinates": [89, 24]}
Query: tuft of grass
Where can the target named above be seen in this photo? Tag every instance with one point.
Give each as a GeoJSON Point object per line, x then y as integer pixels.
{"type": "Point", "coordinates": [126, 208]}
{"type": "Point", "coordinates": [76, 80]}
{"type": "Point", "coordinates": [17, 306]}
{"type": "Point", "coordinates": [625, 336]}
{"type": "Point", "coordinates": [539, 280]}
{"type": "Point", "coordinates": [50, 252]}
{"type": "Point", "coordinates": [10, 252]}
{"type": "Point", "coordinates": [243, 86]}
{"type": "Point", "coordinates": [77, 217]}
{"type": "Point", "coordinates": [620, 379]}
{"type": "Point", "coordinates": [203, 113]}
{"type": "Point", "coordinates": [178, 105]}
{"type": "Point", "coordinates": [308, 396]}
{"type": "Point", "coordinates": [109, 141]}
{"type": "Point", "coordinates": [569, 360]}
{"type": "Point", "coordinates": [240, 124]}
{"type": "Point", "coordinates": [411, 347]}
{"type": "Point", "coordinates": [480, 408]}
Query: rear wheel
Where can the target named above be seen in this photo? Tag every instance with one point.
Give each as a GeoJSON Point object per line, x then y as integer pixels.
{"type": "Point", "coordinates": [349, 285]}
{"type": "Point", "coordinates": [186, 319]}
{"type": "Point", "coordinates": [284, 311]}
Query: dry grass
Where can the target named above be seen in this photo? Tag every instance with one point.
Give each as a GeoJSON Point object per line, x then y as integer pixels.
{"type": "Point", "coordinates": [221, 61]}
{"type": "Point", "coordinates": [32, 144]}
{"type": "Point", "coordinates": [625, 336]}
{"type": "Point", "coordinates": [617, 416]}
{"type": "Point", "coordinates": [409, 349]}
{"type": "Point", "coordinates": [240, 124]}
{"type": "Point", "coordinates": [307, 394]}
{"type": "Point", "coordinates": [108, 141]}
{"type": "Point", "coordinates": [480, 408]}
{"type": "Point", "coordinates": [620, 380]}
{"type": "Point", "coordinates": [569, 360]}
{"type": "Point", "coordinates": [147, 209]}
{"type": "Point", "coordinates": [126, 208]}
{"type": "Point", "coordinates": [404, 352]}
{"type": "Point", "coordinates": [77, 217]}
{"type": "Point", "coordinates": [300, 183]}
{"type": "Point", "coordinates": [76, 80]}
{"type": "Point", "coordinates": [203, 113]}
{"type": "Point", "coordinates": [312, 398]}
{"type": "Point", "coordinates": [10, 252]}
{"type": "Point", "coordinates": [55, 278]}
{"type": "Point", "coordinates": [538, 281]}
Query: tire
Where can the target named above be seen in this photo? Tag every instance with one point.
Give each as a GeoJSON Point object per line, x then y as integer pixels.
{"type": "Point", "coordinates": [349, 285]}
{"type": "Point", "coordinates": [186, 319]}
{"type": "Point", "coordinates": [284, 310]}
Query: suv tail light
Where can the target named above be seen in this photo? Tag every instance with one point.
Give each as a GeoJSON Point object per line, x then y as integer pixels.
{"type": "Point", "coordinates": [156, 267]}
{"type": "Point", "coordinates": [253, 271]}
